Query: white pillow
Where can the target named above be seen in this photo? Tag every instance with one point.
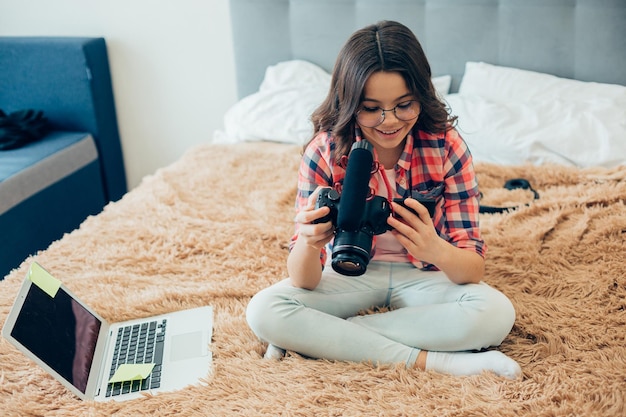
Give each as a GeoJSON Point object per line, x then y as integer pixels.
{"type": "Point", "coordinates": [281, 110]}
{"type": "Point", "coordinates": [503, 84]}
{"type": "Point", "coordinates": [559, 132]}
{"type": "Point", "coordinates": [442, 84]}
{"type": "Point", "coordinates": [510, 116]}
{"type": "Point", "coordinates": [296, 74]}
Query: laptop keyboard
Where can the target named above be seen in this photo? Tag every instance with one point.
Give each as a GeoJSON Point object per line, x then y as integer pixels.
{"type": "Point", "coordinates": [138, 343]}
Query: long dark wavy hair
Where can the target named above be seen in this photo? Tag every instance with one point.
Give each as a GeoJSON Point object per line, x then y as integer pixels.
{"type": "Point", "coordinates": [384, 46]}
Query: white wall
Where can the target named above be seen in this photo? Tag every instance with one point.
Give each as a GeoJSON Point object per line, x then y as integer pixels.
{"type": "Point", "coordinates": [171, 63]}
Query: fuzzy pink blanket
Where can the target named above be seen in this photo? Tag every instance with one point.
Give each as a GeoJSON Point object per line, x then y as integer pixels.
{"type": "Point", "coordinates": [213, 228]}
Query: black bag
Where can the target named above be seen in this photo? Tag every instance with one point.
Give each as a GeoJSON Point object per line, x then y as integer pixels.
{"type": "Point", "coordinates": [21, 127]}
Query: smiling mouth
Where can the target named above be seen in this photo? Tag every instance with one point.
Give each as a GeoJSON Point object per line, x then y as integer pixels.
{"type": "Point", "coordinates": [389, 132]}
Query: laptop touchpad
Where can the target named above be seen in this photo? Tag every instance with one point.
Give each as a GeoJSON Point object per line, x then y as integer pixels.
{"type": "Point", "coordinates": [186, 346]}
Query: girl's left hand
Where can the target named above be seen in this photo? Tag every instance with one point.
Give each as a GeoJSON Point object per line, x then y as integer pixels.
{"type": "Point", "coordinates": [415, 232]}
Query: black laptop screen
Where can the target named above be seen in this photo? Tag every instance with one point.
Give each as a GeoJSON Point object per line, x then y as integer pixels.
{"type": "Point", "coordinates": [60, 332]}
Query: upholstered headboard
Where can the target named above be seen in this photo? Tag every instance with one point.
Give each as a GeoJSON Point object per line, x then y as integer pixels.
{"type": "Point", "coordinates": [579, 39]}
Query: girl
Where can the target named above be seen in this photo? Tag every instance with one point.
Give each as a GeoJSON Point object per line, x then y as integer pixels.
{"type": "Point", "coordinates": [426, 272]}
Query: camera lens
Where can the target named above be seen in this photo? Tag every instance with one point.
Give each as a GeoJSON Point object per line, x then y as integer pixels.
{"type": "Point", "coordinates": [351, 252]}
{"type": "Point", "coordinates": [349, 267]}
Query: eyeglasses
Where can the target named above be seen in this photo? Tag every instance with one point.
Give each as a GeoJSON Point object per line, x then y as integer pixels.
{"type": "Point", "coordinates": [374, 116]}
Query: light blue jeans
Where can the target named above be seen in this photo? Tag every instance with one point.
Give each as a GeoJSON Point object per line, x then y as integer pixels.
{"type": "Point", "coordinates": [429, 312]}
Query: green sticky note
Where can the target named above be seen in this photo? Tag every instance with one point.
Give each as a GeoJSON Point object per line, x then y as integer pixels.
{"type": "Point", "coordinates": [42, 278]}
{"type": "Point", "coordinates": [132, 372]}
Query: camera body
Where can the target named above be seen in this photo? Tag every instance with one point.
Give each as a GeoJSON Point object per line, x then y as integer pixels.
{"type": "Point", "coordinates": [356, 215]}
{"type": "Point", "coordinates": [373, 220]}
{"type": "Point", "coordinates": [351, 248]}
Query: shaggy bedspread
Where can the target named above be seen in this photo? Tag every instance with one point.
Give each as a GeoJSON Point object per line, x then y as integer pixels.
{"type": "Point", "coordinates": [213, 229]}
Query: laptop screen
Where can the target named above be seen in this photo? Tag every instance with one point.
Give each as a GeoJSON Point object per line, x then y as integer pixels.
{"type": "Point", "coordinates": [59, 331]}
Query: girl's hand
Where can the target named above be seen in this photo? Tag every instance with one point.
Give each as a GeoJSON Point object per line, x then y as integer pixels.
{"type": "Point", "coordinates": [416, 232]}
{"type": "Point", "coordinates": [315, 235]}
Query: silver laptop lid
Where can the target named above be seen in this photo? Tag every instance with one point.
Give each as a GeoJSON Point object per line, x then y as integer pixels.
{"type": "Point", "coordinates": [58, 332]}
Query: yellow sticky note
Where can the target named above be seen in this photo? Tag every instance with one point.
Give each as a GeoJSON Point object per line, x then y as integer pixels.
{"type": "Point", "coordinates": [132, 372]}
{"type": "Point", "coordinates": [42, 278]}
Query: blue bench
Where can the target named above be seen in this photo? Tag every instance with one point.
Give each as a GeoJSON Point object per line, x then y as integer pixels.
{"type": "Point", "coordinates": [48, 187]}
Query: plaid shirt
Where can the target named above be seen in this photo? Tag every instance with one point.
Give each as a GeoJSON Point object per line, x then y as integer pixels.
{"type": "Point", "coordinates": [433, 165]}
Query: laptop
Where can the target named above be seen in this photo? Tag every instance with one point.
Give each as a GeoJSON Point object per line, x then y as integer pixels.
{"type": "Point", "coordinates": [104, 361]}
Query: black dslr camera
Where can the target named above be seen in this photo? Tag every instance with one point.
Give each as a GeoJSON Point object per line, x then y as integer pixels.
{"type": "Point", "coordinates": [356, 219]}
{"type": "Point", "coordinates": [352, 247]}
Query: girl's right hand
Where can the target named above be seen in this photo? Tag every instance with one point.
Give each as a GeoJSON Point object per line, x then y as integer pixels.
{"type": "Point", "coordinates": [316, 235]}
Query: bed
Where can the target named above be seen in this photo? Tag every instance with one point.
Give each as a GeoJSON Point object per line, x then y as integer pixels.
{"type": "Point", "coordinates": [213, 227]}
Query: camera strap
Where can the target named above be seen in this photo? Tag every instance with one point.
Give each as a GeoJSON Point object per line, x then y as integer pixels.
{"type": "Point", "coordinates": [513, 184]}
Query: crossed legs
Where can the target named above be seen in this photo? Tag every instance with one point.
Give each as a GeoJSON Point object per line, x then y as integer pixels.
{"type": "Point", "coordinates": [428, 313]}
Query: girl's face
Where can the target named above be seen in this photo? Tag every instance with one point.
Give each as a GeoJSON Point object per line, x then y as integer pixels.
{"type": "Point", "coordinates": [386, 91]}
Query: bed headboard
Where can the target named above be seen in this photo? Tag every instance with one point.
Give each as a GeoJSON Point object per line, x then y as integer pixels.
{"type": "Point", "coordinates": [579, 39]}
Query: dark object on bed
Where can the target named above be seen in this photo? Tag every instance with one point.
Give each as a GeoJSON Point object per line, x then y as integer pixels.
{"type": "Point", "coordinates": [514, 184]}
{"type": "Point", "coordinates": [21, 127]}
{"type": "Point", "coordinates": [49, 186]}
